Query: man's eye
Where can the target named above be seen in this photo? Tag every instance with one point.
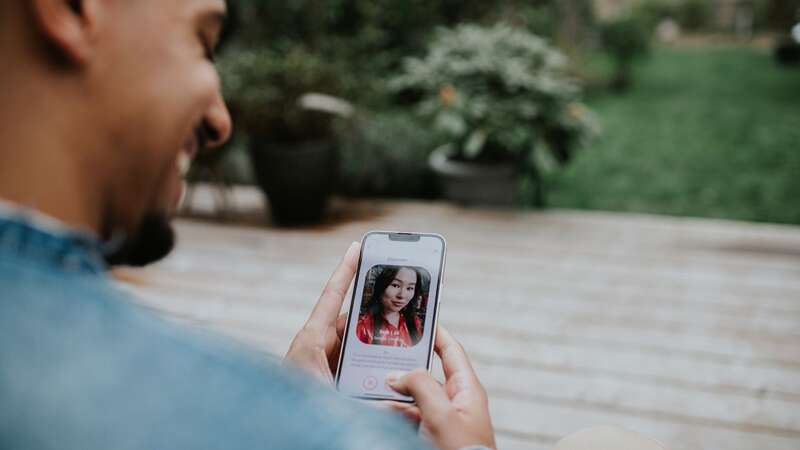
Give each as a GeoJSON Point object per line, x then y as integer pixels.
{"type": "Point", "coordinates": [207, 50]}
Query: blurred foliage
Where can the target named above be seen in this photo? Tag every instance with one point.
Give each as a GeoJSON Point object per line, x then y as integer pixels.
{"type": "Point", "coordinates": [626, 39]}
{"type": "Point", "coordinates": [689, 14]}
{"type": "Point", "coordinates": [762, 10]}
{"type": "Point", "coordinates": [366, 40]}
{"type": "Point", "coordinates": [695, 15]}
{"type": "Point", "coordinates": [782, 14]}
{"type": "Point", "coordinates": [353, 48]}
{"type": "Point", "coordinates": [385, 154]}
{"type": "Point", "coordinates": [707, 131]}
{"type": "Point", "coordinates": [496, 94]}
{"type": "Point", "coordinates": [262, 88]}
{"type": "Point", "coordinates": [698, 15]}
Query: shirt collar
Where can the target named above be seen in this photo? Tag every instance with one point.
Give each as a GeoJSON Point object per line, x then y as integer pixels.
{"type": "Point", "coordinates": [35, 236]}
{"type": "Point", "coordinates": [40, 220]}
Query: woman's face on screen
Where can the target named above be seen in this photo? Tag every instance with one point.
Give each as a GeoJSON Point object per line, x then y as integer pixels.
{"type": "Point", "coordinates": [400, 290]}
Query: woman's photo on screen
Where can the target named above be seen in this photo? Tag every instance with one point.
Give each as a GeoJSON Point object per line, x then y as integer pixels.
{"type": "Point", "coordinates": [393, 306]}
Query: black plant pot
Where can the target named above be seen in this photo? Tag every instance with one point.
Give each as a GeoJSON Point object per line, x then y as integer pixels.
{"type": "Point", "coordinates": [297, 178]}
{"type": "Point", "coordinates": [475, 184]}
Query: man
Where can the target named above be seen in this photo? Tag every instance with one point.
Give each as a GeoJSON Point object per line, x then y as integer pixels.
{"type": "Point", "coordinates": [102, 105]}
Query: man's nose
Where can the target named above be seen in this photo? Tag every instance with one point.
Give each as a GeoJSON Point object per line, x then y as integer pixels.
{"type": "Point", "coordinates": [217, 123]}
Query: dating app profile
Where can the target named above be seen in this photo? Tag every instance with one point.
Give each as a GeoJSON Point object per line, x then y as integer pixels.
{"type": "Point", "coordinates": [393, 312]}
{"type": "Point", "coordinates": [393, 306]}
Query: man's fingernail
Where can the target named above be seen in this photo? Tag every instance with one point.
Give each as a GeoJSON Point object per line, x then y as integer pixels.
{"type": "Point", "coordinates": [393, 377]}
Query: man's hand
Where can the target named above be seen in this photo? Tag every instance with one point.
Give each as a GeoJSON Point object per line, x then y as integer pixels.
{"type": "Point", "coordinates": [316, 347]}
{"type": "Point", "coordinates": [456, 415]}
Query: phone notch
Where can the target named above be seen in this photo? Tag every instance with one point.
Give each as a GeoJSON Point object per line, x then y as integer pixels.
{"type": "Point", "coordinates": [404, 237]}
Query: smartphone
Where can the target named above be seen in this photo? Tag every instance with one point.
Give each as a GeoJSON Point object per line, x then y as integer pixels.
{"type": "Point", "coordinates": [391, 325]}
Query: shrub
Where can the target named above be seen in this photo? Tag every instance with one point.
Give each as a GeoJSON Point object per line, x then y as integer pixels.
{"type": "Point", "coordinates": [690, 14]}
{"type": "Point", "coordinates": [386, 155]}
{"type": "Point", "coordinates": [695, 14]}
{"type": "Point", "coordinates": [262, 87]}
{"type": "Point", "coordinates": [625, 39]}
{"type": "Point", "coordinates": [498, 94]}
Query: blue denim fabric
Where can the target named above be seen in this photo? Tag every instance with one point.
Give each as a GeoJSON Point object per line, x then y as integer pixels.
{"type": "Point", "coordinates": [84, 368]}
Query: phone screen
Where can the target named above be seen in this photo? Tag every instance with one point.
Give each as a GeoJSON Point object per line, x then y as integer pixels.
{"type": "Point", "coordinates": [392, 317]}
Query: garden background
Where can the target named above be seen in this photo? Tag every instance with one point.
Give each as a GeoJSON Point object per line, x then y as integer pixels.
{"type": "Point", "coordinates": [691, 114]}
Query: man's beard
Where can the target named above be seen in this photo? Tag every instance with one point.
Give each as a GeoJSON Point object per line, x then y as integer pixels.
{"type": "Point", "coordinates": [153, 240]}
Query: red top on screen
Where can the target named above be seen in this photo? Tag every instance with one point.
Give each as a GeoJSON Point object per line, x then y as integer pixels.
{"type": "Point", "coordinates": [388, 334]}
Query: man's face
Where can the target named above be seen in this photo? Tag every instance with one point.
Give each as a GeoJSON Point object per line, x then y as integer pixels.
{"type": "Point", "coordinates": [156, 98]}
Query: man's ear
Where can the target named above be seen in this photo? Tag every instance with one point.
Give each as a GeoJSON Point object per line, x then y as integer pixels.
{"type": "Point", "coordinates": [67, 26]}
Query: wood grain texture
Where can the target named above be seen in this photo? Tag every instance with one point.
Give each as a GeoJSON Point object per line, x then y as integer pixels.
{"type": "Point", "coordinates": [686, 330]}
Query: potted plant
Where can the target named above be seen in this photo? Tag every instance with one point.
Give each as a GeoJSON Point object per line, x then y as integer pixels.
{"type": "Point", "coordinates": [501, 99]}
{"type": "Point", "coordinates": [277, 99]}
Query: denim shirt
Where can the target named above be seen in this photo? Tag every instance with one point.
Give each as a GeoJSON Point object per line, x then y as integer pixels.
{"type": "Point", "coordinates": [84, 368]}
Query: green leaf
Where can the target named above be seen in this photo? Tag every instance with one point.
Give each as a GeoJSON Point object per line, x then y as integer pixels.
{"type": "Point", "coordinates": [543, 159]}
{"type": "Point", "coordinates": [475, 143]}
{"type": "Point", "coordinates": [451, 123]}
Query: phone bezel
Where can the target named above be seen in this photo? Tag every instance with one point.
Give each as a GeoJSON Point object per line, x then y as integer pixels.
{"type": "Point", "coordinates": [439, 287]}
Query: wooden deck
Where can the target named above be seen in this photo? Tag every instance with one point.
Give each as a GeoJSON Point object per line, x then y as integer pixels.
{"type": "Point", "coordinates": [682, 329]}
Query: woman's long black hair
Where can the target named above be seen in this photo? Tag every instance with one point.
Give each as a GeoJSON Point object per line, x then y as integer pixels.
{"type": "Point", "coordinates": [408, 313]}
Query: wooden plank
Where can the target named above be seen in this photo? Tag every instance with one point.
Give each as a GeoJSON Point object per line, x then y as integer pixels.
{"type": "Point", "coordinates": [544, 244]}
{"type": "Point", "coordinates": [760, 379]}
{"type": "Point", "coordinates": [516, 293]}
{"type": "Point", "coordinates": [779, 287]}
{"type": "Point", "coordinates": [561, 420]}
{"type": "Point", "coordinates": [682, 329]}
{"type": "Point", "coordinates": [492, 358]}
{"type": "Point", "coordinates": [698, 342]}
{"type": "Point", "coordinates": [721, 241]}
{"type": "Point", "coordinates": [542, 420]}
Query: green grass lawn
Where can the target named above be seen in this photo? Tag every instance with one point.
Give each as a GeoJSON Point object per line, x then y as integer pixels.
{"type": "Point", "coordinates": [707, 131]}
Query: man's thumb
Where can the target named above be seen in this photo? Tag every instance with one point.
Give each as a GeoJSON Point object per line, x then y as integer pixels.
{"type": "Point", "coordinates": [426, 391]}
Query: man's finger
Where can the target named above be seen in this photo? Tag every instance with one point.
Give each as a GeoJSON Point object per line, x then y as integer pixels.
{"type": "Point", "coordinates": [330, 302]}
{"type": "Point", "coordinates": [410, 411]}
{"type": "Point", "coordinates": [454, 359]}
{"type": "Point", "coordinates": [431, 399]}
{"type": "Point", "coordinates": [341, 322]}
{"type": "Point", "coordinates": [462, 382]}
